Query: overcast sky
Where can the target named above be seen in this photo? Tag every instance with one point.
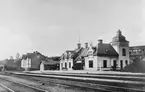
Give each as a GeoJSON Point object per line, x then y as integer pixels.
{"type": "Point", "coordinates": [52, 26]}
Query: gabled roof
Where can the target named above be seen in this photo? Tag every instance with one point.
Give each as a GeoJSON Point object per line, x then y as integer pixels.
{"type": "Point", "coordinates": [76, 53]}
{"type": "Point", "coordinates": [34, 55]}
{"type": "Point", "coordinates": [70, 51]}
{"type": "Point", "coordinates": [82, 53]}
{"type": "Point", "coordinates": [67, 55]}
{"type": "Point", "coordinates": [105, 50]}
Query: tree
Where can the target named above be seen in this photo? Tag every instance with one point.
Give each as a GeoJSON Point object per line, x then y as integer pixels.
{"type": "Point", "coordinates": [11, 58]}
{"type": "Point", "coordinates": [17, 61]}
{"type": "Point", "coordinates": [18, 56]}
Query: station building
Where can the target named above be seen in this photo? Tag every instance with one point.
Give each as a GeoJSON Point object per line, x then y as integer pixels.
{"type": "Point", "coordinates": [103, 56]}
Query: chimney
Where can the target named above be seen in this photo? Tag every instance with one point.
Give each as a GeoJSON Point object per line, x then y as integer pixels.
{"type": "Point", "coordinates": [79, 45]}
{"type": "Point", "coordinates": [100, 41]}
{"type": "Point", "coordinates": [86, 45]}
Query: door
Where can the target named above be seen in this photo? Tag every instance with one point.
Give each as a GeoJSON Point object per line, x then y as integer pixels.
{"type": "Point", "coordinates": [114, 63]}
{"type": "Point", "coordinates": [121, 64]}
{"type": "Point", "coordinates": [104, 63]}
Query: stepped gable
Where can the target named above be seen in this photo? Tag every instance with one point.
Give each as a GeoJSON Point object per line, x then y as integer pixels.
{"type": "Point", "coordinates": [67, 54]}
{"type": "Point", "coordinates": [84, 53]}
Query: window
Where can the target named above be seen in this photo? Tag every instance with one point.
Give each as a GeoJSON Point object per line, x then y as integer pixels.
{"type": "Point", "coordinates": [61, 64]}
{"type": "Point", "coordinates": [91, 64]}
{"type": "Point", "coordinates": [129, 53]}
{"type": "Point", "coordinates": [104, 63]}
{"type": "Point", "coordinates": [65, 65]}
{"type": "Point", "coordinates": [126, 62]}
{"type": "Point", "coordinates": [123, 52]}
{"type": "Point", "coordinates": [69, 64]}
{"type": "Point", "coordinates": [121, 64]}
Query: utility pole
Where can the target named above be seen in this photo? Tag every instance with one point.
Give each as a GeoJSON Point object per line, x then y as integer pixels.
{"type": "Point", "coordinates": [79, 36]}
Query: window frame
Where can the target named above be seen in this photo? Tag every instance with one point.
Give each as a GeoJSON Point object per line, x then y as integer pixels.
{"type": "Point", "coordinates": [123, 52]}
{"type": "Point", "coordinates": [126, 62]}
{"type": "Point", "coordinates": [90, 63]}
{"type": "Point", "coordinates": [69, 64]}
{"type": "Point", "coordinates": [104, 63]}
{"type": "Point", "coordinates": [65, 65]}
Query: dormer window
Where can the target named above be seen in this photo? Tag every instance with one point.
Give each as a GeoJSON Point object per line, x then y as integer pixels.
{"type": "Point", "coordinates": [123, 52]}
{"type": "Point", "coordinates": [106, 51]}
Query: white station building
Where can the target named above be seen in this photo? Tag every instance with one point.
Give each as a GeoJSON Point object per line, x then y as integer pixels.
{"type": "Point", "coordinates": [103, 56]}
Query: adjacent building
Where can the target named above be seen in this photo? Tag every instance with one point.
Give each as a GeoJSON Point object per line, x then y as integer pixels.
{"type": "Point", "coordinates": [49, 65]}
{"type": "Point", "coordinates": [32, 61]}
{"type": "Point", "coordinates": [136, 51]}
{"type": "Point", "coordinates": [68, 57]}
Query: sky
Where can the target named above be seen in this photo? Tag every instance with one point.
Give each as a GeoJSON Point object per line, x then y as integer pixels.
{"type": "Point", "coordinates": [53, 26]}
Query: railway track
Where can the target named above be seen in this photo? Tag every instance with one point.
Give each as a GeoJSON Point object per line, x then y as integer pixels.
{"type": "Point", "coordinates": [5, 88]}
{"type": "Point", "coordinates": [92, 84]}
{"type": "Point", "coordinates": [14, 86]}
{"type": "Point", "coordinates": [102, 76]}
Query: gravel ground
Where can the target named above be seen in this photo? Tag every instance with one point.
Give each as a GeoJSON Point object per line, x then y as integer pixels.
{"type": "Point", "coordinates": [50, 84]}
{"type": "Point", "coordinates": [76, 84]}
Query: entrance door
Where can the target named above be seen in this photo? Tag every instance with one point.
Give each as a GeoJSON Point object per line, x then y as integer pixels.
{"type": "Point", "coordinates": [104, 63]}
{"type": "Point", "coordinates": [114, 63]}
{"type": "Point", "coordinates": [121, 64]}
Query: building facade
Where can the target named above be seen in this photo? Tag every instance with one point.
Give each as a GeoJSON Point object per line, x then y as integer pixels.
{"type": "Point", "coordinates": [121, 45]}
{"type": "Point", "coordinates": [103, 56]}
{"type": "Point", "coordinates": [32, 61]}
{"type": "Point", "coordinates": [136, 52]}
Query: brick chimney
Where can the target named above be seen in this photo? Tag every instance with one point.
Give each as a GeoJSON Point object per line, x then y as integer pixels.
{"type": "Point", "coordinates": [86, 45]}
{"type": "Point", "coordinates": [79, 45]}
{"type": "Point", "coordinates": [100, 41]}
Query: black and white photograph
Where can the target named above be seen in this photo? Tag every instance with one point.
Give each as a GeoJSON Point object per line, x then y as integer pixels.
{"type": "Point", "coordinates": [72, 45]}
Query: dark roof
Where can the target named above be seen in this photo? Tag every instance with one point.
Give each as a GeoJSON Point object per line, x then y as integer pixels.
{"type": "Point", "coordinates": [105, 50]}
{"type": "Point", "coordinates": [119, 38]}
{"type": "Point", "coordinates": [140, 47]}
{"type": "Point", "coordinates": [51, 62]}
{"type": "Point", "coordinates": [71, 51]}
{"type": "Point", "coordinates": [34, 54]}
{"type": "Point", "coordinates": [102, 50]}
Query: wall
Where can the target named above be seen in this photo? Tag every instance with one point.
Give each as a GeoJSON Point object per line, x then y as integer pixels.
{"type": "Point", "coordinates": [26, 63]}
{"type": "Point", "coordinates": [66, 61]}
{"type": "Point", "coordinates": [124, 58]}
{"type": "Point", "coordinates": [87, 59]}
{"type": "Point", "coordinates": [109, 62]}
